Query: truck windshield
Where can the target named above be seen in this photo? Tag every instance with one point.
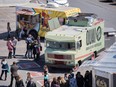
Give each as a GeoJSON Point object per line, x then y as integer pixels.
{"type": "Point", "coordinates": [60, 45]}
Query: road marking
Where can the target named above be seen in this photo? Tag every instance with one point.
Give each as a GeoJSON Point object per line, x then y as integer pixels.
{"type": "Point", "coordinates": [41, 82]}
{"type": "Point", "coordinates": [36, 74]}
{"type": "Point", "coordinates": [28, 65]}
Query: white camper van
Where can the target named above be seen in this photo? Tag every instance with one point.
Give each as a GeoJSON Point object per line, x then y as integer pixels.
{"type": "Point", "coordinates": [103, 70]}
{"type": "Point", "coordinates": [77, 41]}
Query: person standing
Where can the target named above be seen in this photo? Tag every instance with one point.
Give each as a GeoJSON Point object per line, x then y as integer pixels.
{"type": "Point", "coordinates": [28, 77]}
{"type": "Point", "coordinates": [79, 79]}
{"type": "Point", "coordinates": [36, 50]}
{"type": "Point", "coordinates": [14, 72]}
{"type": "Point", "coordinates": [90, 78]}
{"type": "Point", "coordinates": [5, 68]}
{"type": "Point", "coordinates": [31, 83]}
{"type": "Point", "coordinates": [46, 80]}
{"type": "Point", "coordinates": [54, 82]}
{"type": "Point", "coordinates": [19, 82]}
{"type": "Point", "coordinates": [72, 81]}
{"type": "Point", "coordinates": [63, 82]}
{"type": "Point", "coordinates": [14, 41]}
{"type": "Point", "coordinates": [10, 48]}
{"type": "Point", "coordinates": [8, 30]}
{"type": "Point", "coordinates": [29, 41]}
{"type": "Point", "coordinates": [86, 78]}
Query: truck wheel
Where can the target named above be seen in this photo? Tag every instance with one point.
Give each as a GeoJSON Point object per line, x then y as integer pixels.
{"type": "Point", "coordinates": [79, 62]}
{"type": "Point", "coordinates": [95, 54]}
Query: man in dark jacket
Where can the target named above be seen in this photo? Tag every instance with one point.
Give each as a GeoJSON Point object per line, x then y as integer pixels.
{"type": "Point", "coordinates": [79, 79]}
{"type": "Point", "coordinates": [31, 83]}
{"type": "Point", "coordinates": [14, 73]}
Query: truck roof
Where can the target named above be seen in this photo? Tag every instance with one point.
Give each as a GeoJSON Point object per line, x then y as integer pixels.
{"type": "Point", "coordinates": [83, 16]}
{"type": "Point", "coordinates": [109, 55]}
{"type": "Point", "coordinates": [39, 6]}
{"type": "Point", "coordinates": [67, 31]}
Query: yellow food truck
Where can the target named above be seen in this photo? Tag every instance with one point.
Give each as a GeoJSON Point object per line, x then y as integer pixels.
{"type": "Point", "coordinates": [35, 17]}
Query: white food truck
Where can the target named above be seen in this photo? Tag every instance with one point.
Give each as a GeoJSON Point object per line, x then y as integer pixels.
{"type": "Point", "coordinates": [104, 77]}
{"type": "Point", "coordinates": [103, 70]}
{"type": "Point", "coordinates": [79, 40]}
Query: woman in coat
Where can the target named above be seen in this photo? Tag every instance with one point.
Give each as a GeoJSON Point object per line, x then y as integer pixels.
{"type": "Point", "coordinates": [5, 68]}
{"type": "Point", "coordinates": [10, 47]}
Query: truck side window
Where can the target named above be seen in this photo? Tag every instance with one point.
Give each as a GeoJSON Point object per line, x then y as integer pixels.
{"type": "Point", "coordinates": [79, 44]}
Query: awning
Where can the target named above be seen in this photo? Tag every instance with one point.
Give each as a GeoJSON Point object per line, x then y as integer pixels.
{"type": "Point", "coordinates": [26, 12]}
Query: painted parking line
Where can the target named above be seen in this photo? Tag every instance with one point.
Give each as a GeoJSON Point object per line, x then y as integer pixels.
{"type": "Point", "coordinates": [28, 65]}
{"type": "Point", "coordinates": [38, 74]}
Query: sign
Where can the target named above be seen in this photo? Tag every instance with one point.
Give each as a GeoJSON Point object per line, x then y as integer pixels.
{"type": "Point", "coordinates": [101, 81]}
{"type": "Point", "coordinates": [98, 33]}
{"type": "Point", "coordinates": [93, 34]}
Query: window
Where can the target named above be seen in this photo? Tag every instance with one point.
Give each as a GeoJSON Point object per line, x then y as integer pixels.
{"type": "Point", "coordinates": [79, 44]}
{"type": "Point", "coordinates": [60, 45]}
{"type": "Point", "coordinates": [62, 21]}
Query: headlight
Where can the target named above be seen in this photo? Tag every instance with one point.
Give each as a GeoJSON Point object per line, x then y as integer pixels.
{"type": "Point", "coordinates": [49, 61]}
{"type": "Point", "coordinates": [71, 62]}
{"type": "Point", "coordinates": [46, 60]}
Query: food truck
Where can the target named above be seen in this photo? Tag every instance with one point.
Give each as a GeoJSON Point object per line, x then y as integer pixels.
{"type": "Point", "coordinates": [104, 77]}
{"type": "Point", "coordinates": [103, 68]}
{"type": "Point", "coordinates": [35, 17]}
{"type": "Point", "coordinates": [79, 40]}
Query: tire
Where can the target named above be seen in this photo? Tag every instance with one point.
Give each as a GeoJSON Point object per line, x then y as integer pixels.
{"type": "Point", "coordinates": [79, 62]}
{"type": "Point", "coordinates": [95, 54]}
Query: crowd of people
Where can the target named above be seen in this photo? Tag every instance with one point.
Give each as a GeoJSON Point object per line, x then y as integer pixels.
{"type": "Point", "coordinates": [14, 75]}
{"type": "Point", "coordinates": [33, 47]}
{"type": "Point", "coordinates": [69, 80]}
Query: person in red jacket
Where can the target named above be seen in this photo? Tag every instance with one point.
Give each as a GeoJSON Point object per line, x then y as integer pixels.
{"type": "Point", "coordinates": [10, 47]}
